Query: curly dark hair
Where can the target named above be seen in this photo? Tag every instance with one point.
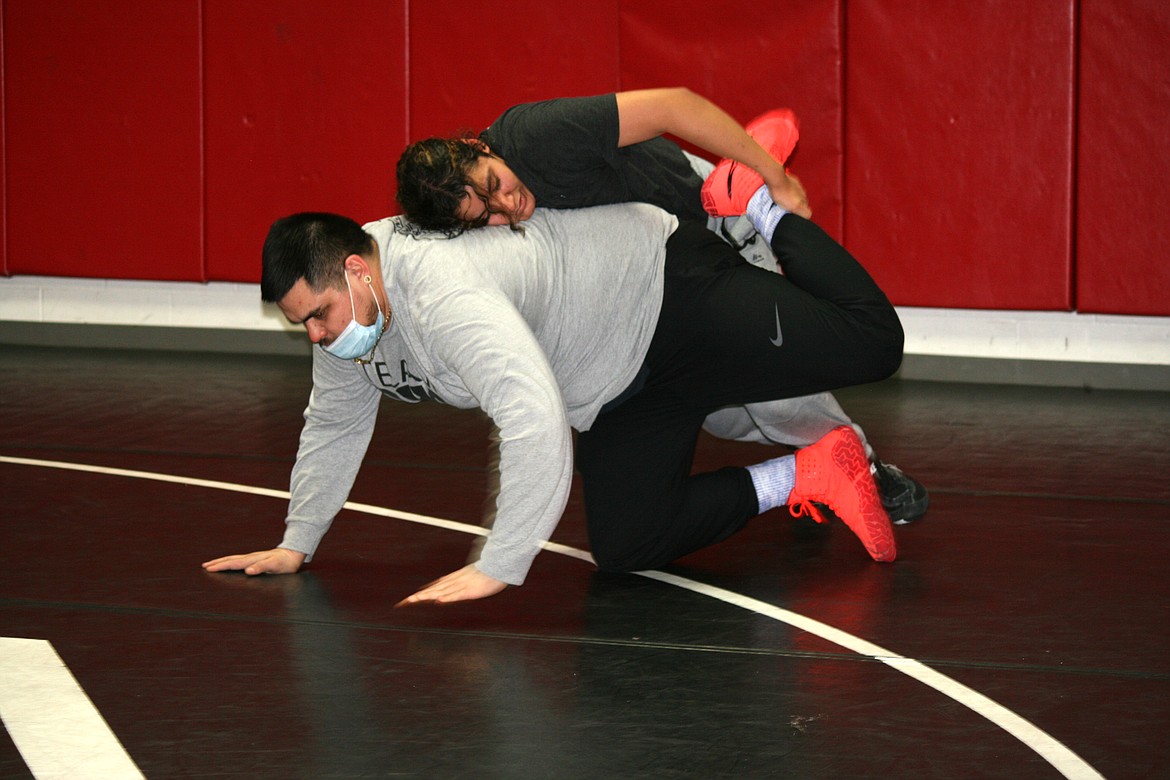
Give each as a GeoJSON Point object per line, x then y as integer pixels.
{"type": "Point", "coordinates": [432, 174]}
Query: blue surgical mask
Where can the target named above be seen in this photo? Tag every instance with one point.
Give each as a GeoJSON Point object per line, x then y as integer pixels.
{"type": "Point", "coordinates": [356, 340]}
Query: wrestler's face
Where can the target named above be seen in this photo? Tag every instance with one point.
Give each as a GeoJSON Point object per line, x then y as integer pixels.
{"type": "Point", "coordinates": [496, 190]}
{"type": "Point", "coordinates": [327, 313]}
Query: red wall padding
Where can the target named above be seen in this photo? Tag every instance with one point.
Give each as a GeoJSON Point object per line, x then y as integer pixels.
{"type": "Point", "coordinates": [471, 59]}
{"type": "Point", "coordinates": [937, 136]}
{"type": "Point", "coordinates": [958, 164]}
{"type": "Point", "coordinates": [4, 269]}
{"type": "Point", "coordinates": [1123, 163]}
{"type": "Point", "coordinates": [102, 125]}
{"type": "Point", "coordinates": [749, 57]}
{"type": "Point", "coordinates": [305, 111]}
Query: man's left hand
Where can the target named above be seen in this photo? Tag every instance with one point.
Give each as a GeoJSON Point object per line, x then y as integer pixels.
{"type": "Point", "coordinates": [463, 585]}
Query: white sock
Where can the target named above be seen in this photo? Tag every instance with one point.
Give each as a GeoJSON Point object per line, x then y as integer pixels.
{"type": "Point", "coordinates": [773, 481]}
{"type": "Point", "coordinates": [763, 213]}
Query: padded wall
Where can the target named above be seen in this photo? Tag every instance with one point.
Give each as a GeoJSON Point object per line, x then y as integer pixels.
{"type": "Point", "coordinates": [3, 163]}
{"type": "Point", "coordinates": [102, 125]}
{"type": "Point", "coordinates": [471, 59]}
{"type": "Point", "coordinates": [959, 138]}
{"type": "Point", "coordinates": [938, 136]}
{"type": "Point", "coordinates": [748, 61]}
{"type": "Point", "coordinates": [1123, 172]}
{"type": "Point", "coordinates": [305, 111]}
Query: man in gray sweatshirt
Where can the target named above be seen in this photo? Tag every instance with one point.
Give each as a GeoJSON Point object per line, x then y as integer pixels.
{"type": "Point", "coordinates": [618, 322]}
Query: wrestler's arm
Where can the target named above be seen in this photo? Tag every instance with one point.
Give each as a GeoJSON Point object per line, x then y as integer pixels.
{"type": "Point", "coordinates": [339, 423]}
{"type": "Point", "coordinates": [647, 113]}
{"type": "Point", "coordinates": [480, 337]}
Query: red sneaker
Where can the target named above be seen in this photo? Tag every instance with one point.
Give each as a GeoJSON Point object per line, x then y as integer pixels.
{"type": "Point", "coordinates": [835, 472]}
{"type": "Point", "coordinates": [730, 186]}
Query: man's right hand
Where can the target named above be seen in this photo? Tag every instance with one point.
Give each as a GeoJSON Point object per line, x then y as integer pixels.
{"type": "Point", "coordinates": [276, 561]}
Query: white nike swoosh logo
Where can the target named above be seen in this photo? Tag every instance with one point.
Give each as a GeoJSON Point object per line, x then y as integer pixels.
{"type": "Point", "coordinates": [779, 335]}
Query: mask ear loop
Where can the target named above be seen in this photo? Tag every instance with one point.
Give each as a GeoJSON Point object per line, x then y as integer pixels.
{"type": "Point", "coordinates": [369, 283]}
{"type": "Point", "coordinates": [352, 307]}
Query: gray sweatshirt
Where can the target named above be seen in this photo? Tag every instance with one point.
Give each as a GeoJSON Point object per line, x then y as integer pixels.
{"type": "Point", "coordinates": [539, 329]}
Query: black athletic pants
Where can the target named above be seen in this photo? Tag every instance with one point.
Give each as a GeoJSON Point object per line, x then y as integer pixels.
{"type": "Point", "coordinates": [729, 333]}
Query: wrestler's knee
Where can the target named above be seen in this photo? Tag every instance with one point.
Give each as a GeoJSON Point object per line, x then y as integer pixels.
{"type": "Point", "coordinates": [623, 548]}
{"type": "Point", "coordinates": [882, 342]}
{"type": "Point", "coordinates": [623, 562]}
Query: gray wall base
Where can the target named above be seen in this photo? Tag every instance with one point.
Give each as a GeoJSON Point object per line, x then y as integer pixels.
{"type": "Point", "coordinates": [936, 368]}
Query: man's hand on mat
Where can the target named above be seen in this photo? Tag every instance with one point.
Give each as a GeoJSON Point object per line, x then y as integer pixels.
{"type": "Point", "coordinates": [463, 585]}
{"type": "Point", "coordinates": [278, 561]}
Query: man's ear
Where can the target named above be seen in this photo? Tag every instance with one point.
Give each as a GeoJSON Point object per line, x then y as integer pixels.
{"type": "Point", "coordinates": [358, 266]}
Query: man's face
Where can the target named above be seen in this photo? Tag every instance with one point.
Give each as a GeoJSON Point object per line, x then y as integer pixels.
{"type": "Point", "coordinates": [327, 313]}
{"type": "Point", "coordinates": [496, 190]}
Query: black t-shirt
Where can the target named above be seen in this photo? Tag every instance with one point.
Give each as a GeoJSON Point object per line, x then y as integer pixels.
{"type": "Point", "coordinates": [566, 151]}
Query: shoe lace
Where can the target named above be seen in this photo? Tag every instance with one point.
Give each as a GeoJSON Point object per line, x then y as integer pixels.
{"type": "Point", "coordinates": [807, 509]}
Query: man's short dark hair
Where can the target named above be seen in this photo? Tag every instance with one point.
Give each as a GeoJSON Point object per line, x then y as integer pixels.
{"type": "Point", "coordinates": [310, 246]}
{"type": "Point", "coordinates": [431, 175]}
